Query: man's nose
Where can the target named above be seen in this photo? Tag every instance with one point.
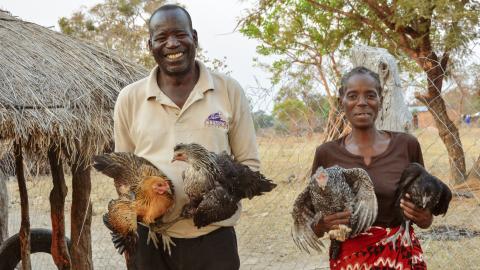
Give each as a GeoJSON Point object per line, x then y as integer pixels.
{"type": "Point", "coordinates": [172, 42]}
{"type": "Point", "coordinates": [362, 100]}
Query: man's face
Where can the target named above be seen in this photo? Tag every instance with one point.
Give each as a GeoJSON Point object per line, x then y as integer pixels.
{"type": "Point", "coordinates": [172, 42]}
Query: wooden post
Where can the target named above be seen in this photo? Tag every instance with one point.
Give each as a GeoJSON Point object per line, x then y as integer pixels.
{"type": "Point", "coordinates": [3, 207]}
{"type": "Point", "coordinates": [81, 217]}
{"type": "Point", "coordinates": [25, 224]}
{"type": "Point", "coordinates": [59, 247]}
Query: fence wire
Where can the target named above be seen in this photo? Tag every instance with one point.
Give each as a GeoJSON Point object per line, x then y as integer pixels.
{"type": "Point", "coordinates": [287, 142]}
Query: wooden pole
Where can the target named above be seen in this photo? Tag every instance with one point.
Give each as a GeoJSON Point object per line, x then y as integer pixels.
{"type": "Point", "coordinates": [59, 247]}
{"type": "Point", "coordinates": [81, 217]}
{"type": "Point", "coordinates": [25, 224]}
{"type": "Point", "coordinates": [3, 207]}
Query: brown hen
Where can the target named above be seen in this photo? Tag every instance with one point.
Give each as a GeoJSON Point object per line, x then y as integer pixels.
{"type": "Point", "coordinates": [145, 195]}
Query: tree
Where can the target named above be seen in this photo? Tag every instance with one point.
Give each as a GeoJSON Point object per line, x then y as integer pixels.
{"type": "Point", "coordinates": [422, 34]}
{"type": "Point", "coordinates": [293, 114]}
{"type": "Point", "coordinates": [122, 25]}
{"type": "Point", "coordinates": [262, 120]}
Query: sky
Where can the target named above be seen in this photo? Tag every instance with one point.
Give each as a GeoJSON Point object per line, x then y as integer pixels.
{"type": "Point", "coordinates": [215, 30]}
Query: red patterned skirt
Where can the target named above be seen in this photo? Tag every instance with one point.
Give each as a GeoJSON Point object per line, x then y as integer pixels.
{"type": "Point", "coordinates": [368, 251]}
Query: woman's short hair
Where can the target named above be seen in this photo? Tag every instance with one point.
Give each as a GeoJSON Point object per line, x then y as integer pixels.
{"type": "Point", "coordinates": [359, 70]}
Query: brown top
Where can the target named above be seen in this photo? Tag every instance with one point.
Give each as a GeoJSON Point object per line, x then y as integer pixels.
{"type": "Point", "coordinates": [384, 169]}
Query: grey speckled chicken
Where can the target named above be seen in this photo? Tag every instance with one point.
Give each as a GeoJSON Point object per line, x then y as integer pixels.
{"type": "Point", "coordinates": [215, 183]}
{"type": "Point", "coordinates": [426, 191]}
{"type": "Point", "coordinates": [330, 191]}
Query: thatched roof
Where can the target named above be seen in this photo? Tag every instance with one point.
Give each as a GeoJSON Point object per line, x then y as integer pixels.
{"type": "Point", "coordinates": [54, 88]}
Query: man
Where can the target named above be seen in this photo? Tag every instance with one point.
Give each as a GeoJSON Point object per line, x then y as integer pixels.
{"type": "Point", "coordinates": [181, 101]}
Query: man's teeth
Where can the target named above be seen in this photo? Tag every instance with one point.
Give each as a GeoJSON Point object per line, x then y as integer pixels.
{"type": "Point", "coordinates": [174, 56]}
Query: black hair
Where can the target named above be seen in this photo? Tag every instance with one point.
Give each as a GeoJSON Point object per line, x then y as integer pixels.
{"type": "Point", "coordinates": [363, 71]}
{"type": "Point", "coordinates": [167, 8]}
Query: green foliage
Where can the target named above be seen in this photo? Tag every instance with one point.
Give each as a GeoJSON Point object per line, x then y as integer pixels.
{"type": "Point", "coordinates": [290, 110]}
{"type": "Point", "coordinates": [122, 25]}
{"type": "Point", "coordinates": [303, 32]}
{"type": "Point", "coordinates": [119, 25]}
{"type": "Point", "coordinates": [262, 120]}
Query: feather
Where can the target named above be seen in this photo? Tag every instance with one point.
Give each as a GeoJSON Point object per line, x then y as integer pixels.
{"type": "Point", "coordinates": [215, 183]}
{"type": "Point", "coordinates": [330, 191]}
{"type": "Point", "coordinates": [134, 178]}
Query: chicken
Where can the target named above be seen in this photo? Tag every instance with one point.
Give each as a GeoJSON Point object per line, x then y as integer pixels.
{"type": "Point", "coordinates": [215, 183]}
{"type": "Point", "coordinates": [330, 191]}
{"type": "Point", "coordinates": [135, 179]}
{"type": "Point", "coordinates": [121, 220]}
{"type": "Point", "coordinates": [426, 192]}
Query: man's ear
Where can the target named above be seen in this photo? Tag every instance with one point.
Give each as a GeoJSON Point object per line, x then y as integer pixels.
{"type": "Point", "coordinates": [195, 37]}
{"type": "Point", "coordinates": [149, 44]}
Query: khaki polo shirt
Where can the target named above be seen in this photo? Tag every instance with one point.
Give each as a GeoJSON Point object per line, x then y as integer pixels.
{"type": "Point", "coordinates": [215, 115]}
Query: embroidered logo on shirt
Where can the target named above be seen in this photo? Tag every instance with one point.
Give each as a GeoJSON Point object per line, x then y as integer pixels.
{"type": "Point", "coordinates": [216, 120]}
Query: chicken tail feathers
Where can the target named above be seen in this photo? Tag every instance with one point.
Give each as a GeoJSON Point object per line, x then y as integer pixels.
{"type": "Point", "coordinates": [108, 165]}
{"type": "Point", "coordinates": [255, 184]}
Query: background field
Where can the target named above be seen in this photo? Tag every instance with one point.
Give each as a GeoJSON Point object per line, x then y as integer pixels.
{"type": "Point", "coordinates": [264, 229]}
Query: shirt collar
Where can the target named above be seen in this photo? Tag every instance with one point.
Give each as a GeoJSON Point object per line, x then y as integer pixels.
{"type": "Point", "coordinates": [204, 84]}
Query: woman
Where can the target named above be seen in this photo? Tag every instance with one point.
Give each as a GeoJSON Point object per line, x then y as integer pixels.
{"type": "Point", "coordinates": [384, 155]}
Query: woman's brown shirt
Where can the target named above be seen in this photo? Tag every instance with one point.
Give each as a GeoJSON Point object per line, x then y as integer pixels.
{"type": "Point", "coordinates": [384, 169]}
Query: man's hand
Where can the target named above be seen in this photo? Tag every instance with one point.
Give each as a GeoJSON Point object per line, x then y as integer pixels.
{"type": "Point", "coordinates": [331, 222]}
{"type": "Point", "coordinates": [422, 217]}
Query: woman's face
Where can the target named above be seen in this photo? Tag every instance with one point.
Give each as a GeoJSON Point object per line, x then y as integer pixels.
{"type": "Point", "coordinates": [361, 101]}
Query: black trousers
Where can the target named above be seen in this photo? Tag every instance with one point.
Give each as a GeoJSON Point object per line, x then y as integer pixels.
{"type": "Point", "coordinates": [214, 251]}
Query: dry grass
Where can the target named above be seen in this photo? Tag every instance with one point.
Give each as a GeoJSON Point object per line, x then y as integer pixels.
{"type": "Point", "coordinates": [264, 230]}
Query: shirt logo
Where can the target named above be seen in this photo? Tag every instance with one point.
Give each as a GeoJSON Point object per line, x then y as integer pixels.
{"type": "Point", "coordinates": [216, 120]}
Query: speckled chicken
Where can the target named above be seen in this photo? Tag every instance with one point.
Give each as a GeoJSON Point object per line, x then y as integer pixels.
{"type": "Point", "coordinates": [215, 183]}
{"type": "Point", "coordinates": [135, 179]}
{"type": "Point", "coordinates": [330, 191]}
{"type": "Point", "coordinates": [426, 191]}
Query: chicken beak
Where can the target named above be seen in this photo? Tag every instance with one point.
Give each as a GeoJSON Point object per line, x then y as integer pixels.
{"type": "Point", "coordinates": [424, 201]}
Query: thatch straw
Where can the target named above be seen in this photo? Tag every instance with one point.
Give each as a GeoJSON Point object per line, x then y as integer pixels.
{"type": "Point", "coordinates": [57, 89]}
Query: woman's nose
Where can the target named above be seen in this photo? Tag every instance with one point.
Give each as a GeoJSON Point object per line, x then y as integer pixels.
{"type": "Point", "coordinates": [362, 100]}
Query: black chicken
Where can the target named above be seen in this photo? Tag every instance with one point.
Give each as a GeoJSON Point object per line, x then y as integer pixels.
{"type": "Point", "coordinates": [330, 191]}
{"type": "Point", "coordinates": [215, 183]}
{"type": "Point", "coordinates": [426, 191]}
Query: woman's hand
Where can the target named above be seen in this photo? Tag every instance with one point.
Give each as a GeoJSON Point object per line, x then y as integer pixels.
{"type": "Point", "coordinates": [422, 217]}
{"type": "Point", "coordinates": [331, 222]}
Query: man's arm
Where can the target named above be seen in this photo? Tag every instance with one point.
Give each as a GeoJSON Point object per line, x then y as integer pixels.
{"type": "Point", "coordinates": [242, 138]}
{"type": "Point", "coordinates": [121, 127]}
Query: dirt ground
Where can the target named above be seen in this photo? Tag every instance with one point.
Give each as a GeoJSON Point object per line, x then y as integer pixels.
{"type": "Point", "coordinates": [264, 229]}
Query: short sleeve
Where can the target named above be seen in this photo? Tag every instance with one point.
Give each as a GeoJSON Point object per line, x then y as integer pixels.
{"type": "Point", "coordinates": [415, 151]}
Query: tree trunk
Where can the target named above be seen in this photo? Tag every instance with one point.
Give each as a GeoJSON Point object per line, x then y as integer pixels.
{"type": "Point", "coordinates": [447, 130]}
{"type": "Point", "coordinates": [57, 203]}
{"type": "Point", "coordinates": [25, 224]}
{"type": "Point", "coordinates": [3, 207]}
{"type": "Point", "coordinates": [81, 218]}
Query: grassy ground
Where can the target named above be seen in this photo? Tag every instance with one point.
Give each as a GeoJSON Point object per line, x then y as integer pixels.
{"type": "Point", "coordinates": [264, 229]}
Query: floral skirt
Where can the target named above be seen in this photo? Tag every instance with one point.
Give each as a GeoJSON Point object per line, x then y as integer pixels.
{"type": "Point", "coordinates": [369, 251]}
